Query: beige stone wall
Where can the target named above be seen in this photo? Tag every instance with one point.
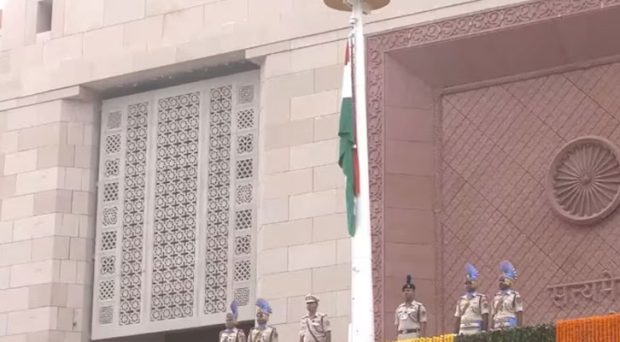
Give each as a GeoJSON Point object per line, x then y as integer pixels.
{"type": "Point", "coordinates": [303, 243]}
{"type": "Point", "coordinates": [47, 168]}
{"type": "Point", "coordinates": [98, 39]}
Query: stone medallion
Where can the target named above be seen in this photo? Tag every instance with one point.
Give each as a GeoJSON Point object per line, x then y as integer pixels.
{"type": "Point", "coordinates": [584, 180]}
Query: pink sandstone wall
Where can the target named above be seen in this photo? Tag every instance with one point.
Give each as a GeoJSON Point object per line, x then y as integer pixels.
{"type": "Point", "coordinates": [497, 144]}
{"type": "Point", "coordinates": [481, 196]}
{"type": "Point", "coordinates": [479, 160]}
{"type": "Point", "coordinates": [410, 168]}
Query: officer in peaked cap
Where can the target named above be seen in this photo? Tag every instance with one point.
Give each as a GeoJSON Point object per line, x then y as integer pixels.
{"type": "Point", "coordinates": [410, 316]}
{"type": "Point", "coordinates": [315, 325]}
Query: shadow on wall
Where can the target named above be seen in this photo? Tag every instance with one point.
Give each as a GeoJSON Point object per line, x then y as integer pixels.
{"type": "Point", "coordinates": [206, 334]}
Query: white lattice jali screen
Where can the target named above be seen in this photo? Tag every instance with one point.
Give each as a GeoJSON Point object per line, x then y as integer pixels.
{"type": "Point", "coordinates": [177, 207]}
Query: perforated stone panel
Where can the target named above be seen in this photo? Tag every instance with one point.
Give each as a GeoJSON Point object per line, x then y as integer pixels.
{"type": "Point", "coordinates": [177, 207]}
{"type": "Point", "coordinates": [498, 145]}
{"type": "Point", "coordinates": [132, 253]}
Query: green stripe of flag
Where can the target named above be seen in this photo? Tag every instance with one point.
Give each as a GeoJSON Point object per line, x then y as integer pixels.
{"type": "Point", "coordinates": [346, 132]}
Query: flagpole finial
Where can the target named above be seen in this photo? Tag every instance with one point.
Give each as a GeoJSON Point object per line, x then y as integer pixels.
{"type": "Point", "coordinates": [347, 5]}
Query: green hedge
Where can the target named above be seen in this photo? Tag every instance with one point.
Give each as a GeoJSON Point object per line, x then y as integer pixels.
{"type": "Point", "coordinates": [541, 333]}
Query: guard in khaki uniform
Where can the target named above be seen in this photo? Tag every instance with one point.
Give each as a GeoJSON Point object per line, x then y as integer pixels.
{"type": "Point", "coordinates": [410, 316]}
{"type": "Point", "coordinates": [231, 333]}
{"type": "Point", "coordinates": [472, 309]}
{"type": "Point", "coordinates": [263, 332]}
{"type": "Point", "coordinates": [314, 325]}
{"type": "Point", "coordinates": [507, 304]}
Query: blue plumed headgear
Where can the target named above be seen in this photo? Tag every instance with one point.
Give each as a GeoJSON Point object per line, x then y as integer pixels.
{"type": "Point", "coordinates": [263, 306]}
{"type": "Point", "coordinates": [234, 310]}
{"type": "Point", "coordinates": [509, 272]}
{"type": "Point", "coordinates": [471, 273]}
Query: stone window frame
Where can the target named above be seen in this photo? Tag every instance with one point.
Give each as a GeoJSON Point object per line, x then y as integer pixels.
{"type": "Point", "coordinates": [245, 96]}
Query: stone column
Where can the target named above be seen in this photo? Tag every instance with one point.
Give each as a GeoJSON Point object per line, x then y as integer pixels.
{"type": "Point", "coordinates": [48, 163]}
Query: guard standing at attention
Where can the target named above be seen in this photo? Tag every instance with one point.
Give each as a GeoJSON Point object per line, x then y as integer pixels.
{"type": "Point", "coordinates": [263, 332]}
{"type": "Point", "coordinates": [410, 316]}
{"type": "Point", "coordinates": [472, 309]}
{"type": "Point", "coordinates": [314, 325]}
{"type": "Point", "coordinates": [507, 304]}
{"type": "Point", "coordinates": [231, 333]}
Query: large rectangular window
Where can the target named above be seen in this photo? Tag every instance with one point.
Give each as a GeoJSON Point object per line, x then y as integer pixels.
{"type": "Point", "coordinates": [176, 207]}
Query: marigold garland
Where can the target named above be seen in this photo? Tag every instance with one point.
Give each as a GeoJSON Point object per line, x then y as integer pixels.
{"type": "Point", "coordinates": [541, 333]}
{"type": "Point", "coordinates": [591, 329]}
{"type": "Point", "coordinates": [442, 338]}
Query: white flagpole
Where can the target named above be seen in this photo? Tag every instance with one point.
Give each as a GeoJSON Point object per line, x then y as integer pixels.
{"type": "Point", "coordinates": [362, 314]}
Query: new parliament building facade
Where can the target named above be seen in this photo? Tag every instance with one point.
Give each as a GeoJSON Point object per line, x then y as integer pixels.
{"type": "Point", "coordinates": [161, 158]}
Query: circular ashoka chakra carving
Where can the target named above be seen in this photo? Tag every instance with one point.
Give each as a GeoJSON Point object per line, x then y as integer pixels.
{"type": "Point", "coordinates": [584, 180]}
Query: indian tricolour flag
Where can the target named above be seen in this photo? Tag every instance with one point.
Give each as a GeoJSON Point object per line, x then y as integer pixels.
{"type": "Point", "coordinates": [348, 150]}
